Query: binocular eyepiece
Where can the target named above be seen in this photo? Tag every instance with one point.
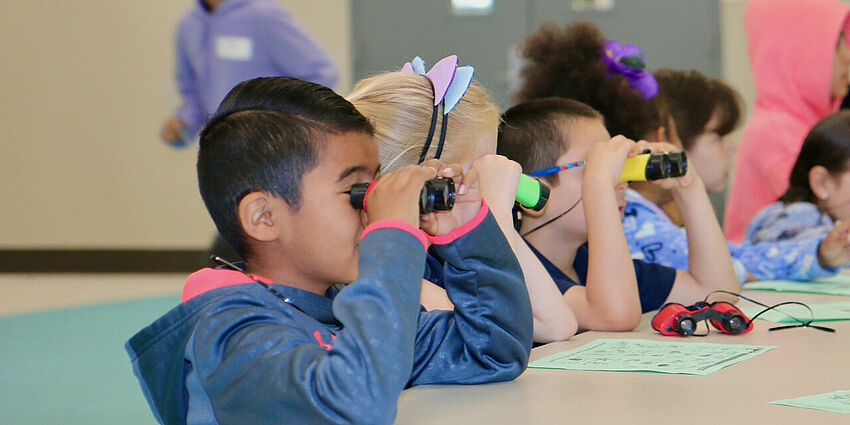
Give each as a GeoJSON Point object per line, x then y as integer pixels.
{"type": "Point", "coordinates": [436, 195]}
{"type": "Point", "coordinates": [655, 166]}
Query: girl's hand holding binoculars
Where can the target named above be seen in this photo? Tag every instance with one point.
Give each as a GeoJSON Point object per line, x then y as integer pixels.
{"type": "Point", "coordinates": [467, 201]}
{"type": "Point", "coordinates": [499, 178]}
{"type": "Point", "coordinates": [395, 196]}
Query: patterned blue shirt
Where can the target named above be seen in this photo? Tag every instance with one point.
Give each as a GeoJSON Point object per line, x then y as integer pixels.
{"type": "Point", "coordinates": [781, 242]}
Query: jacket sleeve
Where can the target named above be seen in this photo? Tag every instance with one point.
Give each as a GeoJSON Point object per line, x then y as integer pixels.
{"type": "Point", "coordinates": [257, 364]}
{"type": "Point", "coordinates": [487, 337]}
{"type": "Point", "coordinates": [655, 240]}
{"type": "Point", "coordinates": [660, 241]}
{"type": "Point", "coordinates": [296, 54]}
{"type": "Point", "coordinates": [782, 243]}
{"type": "Point", "coordinates": [191, 111]}
{"type": "Point", "coordinates": [783, 260]}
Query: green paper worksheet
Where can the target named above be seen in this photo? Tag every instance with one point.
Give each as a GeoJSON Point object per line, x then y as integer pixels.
{"type": "Point", "coordinates": [822, 312]}
{"type": "Point", "coordinates": [838, 401]}
{"type": "Point", "coordinates": [639, 355]}
{"type": "Point", "coordinates": [835, 285]}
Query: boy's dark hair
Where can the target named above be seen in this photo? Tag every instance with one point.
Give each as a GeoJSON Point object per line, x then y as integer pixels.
{"type": "Point", "coordinates": [567, 62]}
{"type": "Point", "coordinates": [692, 99]}
{"type": "Point", "coordinates": [266, 134]}
{"type": "Point", "coordinates": [536, 133]}
{"type": "Point", "coordinates": [827, 145]}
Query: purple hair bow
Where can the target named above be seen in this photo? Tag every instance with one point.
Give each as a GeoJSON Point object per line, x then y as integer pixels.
{"type": "Point", "coordinates": [449, 83]}
{"type": "Point", "coordinates": [627, 60]}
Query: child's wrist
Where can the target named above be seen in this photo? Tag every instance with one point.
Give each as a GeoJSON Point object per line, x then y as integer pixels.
{"type": "Point", "coordinates": [690, 187]}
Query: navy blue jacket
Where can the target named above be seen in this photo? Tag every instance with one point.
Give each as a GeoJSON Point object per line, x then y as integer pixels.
{"type": "Point", "coordinates": [239, 354]}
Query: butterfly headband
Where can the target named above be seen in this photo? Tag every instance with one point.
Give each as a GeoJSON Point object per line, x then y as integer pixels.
{"type": "Point", "coordinates": [449, 83]}
{"type": "Point", "coordinates": [627, 60]}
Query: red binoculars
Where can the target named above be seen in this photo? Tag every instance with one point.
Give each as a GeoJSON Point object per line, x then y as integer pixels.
{"type": "Point", "coordinates": [677, 319]}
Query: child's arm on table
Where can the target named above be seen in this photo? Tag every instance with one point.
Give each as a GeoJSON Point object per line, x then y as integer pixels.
{"type": "Point", "coordinates": [553, 319]}
{"type": "Point", "coordinates": [258, 364]}
{"type": "Point", "coordinates": [710, 265]}
{"type": "Point", "coordinates": [487, 337]}
{"type": "Point", "coordinates": [609, 301]}
{"type": "Point", "coordinates": [796, 259]}
{"type": "Point", "coordinates": [661, 241]}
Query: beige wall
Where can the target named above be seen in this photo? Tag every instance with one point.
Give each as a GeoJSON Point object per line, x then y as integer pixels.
{"type": "Point", "coordinates": [85, 85]}
{"type": "Point", "coordinates": [733, 48]}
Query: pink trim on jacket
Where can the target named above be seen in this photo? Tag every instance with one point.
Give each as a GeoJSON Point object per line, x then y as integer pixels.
{"type": "Point", "coordinates": [207, 279]}
{"type": "Point", "coordinates": [396, 224]}
{"type": "Point", "coordinates": [462, 229]}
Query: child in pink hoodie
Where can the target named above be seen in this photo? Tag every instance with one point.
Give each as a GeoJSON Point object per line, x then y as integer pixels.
{"type": "Point", "coordinates": [800, 58]}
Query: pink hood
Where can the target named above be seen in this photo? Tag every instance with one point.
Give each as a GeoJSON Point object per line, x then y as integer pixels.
{"type": "Point", "coordinates": [792, 49]}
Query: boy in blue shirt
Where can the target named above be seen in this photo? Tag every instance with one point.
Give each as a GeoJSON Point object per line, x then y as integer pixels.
{"type": "Point", "coordinates": [579, 236]}
{"type": "Point", "coordinates": [280, 340]}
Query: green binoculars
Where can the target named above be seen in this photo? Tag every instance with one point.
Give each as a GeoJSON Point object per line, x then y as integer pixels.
{"type": "Point", "coordinates": [532, 193]}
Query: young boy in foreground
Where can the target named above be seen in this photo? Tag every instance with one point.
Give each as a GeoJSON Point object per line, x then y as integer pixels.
{"type": "Point", "coordinates": [281, 341]}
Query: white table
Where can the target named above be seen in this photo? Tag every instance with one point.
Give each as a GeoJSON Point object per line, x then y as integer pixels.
{"type": "Point", "coordinates": [805, 362]}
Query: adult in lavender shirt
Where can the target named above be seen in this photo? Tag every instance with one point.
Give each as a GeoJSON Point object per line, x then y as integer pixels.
{"type": "Point", "coordinates": [223, 42]}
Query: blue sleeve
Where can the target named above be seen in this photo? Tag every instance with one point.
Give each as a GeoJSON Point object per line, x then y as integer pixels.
{"type": "Point", "coordinates": [655, 239]}
{"type": "Point", "coordinates": [658, 240]}
{"type": "Point", "coordinates": [260, 365]}
{"type": "Point", "coordinates": [782, 242]}
{"type": "Point", "coordinates": [487, 337]}
{"type": "Point", "coordinates": [434, 271]}
{"type": "Point", "coordinates": [191, 111]}
{"type": "Point", "coordinates": [783, 260]}
{"type": "Point", "coordinates": [295, 53]}
{"type": "Point", "coordinates": [654, 284]}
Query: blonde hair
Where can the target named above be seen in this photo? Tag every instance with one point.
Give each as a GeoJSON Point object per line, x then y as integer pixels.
{"type": "Point", "coordinates": [400, 105]}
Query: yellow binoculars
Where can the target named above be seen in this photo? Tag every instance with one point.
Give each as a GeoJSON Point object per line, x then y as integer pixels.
{"type": "Point", "coordinates": [654, 166]}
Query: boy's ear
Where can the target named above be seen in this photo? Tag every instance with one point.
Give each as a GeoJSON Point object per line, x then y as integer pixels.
{"type": "Point", "coordinates": [257, 217]}
{"type": "Point", "coordinates": [820, 181]}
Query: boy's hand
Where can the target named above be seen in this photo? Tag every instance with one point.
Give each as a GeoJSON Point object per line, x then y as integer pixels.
{"type": "Point", "coordinates": [604, 163]}
{"type": "Point", "coordinates": [172, 130]}
{"type": "Point", "coordinates": [467, 200]}
{"type": "Point", "coordinates": [498, 177]}
{"type": "Point", "coordinates": [395, 195]}
{"type": "Point", "coordinates": [834, 250]}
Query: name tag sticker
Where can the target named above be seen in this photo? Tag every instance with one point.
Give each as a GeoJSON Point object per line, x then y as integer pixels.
{"type": "Point", "coordinates": [234, 47]}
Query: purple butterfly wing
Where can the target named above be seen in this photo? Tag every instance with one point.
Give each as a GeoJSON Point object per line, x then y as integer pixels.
{"type": "Point", "coordinates": [441, 75]}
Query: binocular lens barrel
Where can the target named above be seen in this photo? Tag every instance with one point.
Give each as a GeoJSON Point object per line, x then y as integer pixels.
{"type": "Point", "coordinates": [436, 195]}
{"type": "Point", "coordinates": [655, 166]}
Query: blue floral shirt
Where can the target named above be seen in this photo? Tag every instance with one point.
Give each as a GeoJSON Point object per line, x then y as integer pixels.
{"type": "Point", "coordinates": [781, 241]}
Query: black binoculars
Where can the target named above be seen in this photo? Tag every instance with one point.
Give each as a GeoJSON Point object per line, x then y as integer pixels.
{"type": "Point", "coordinates": [437, 195]}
